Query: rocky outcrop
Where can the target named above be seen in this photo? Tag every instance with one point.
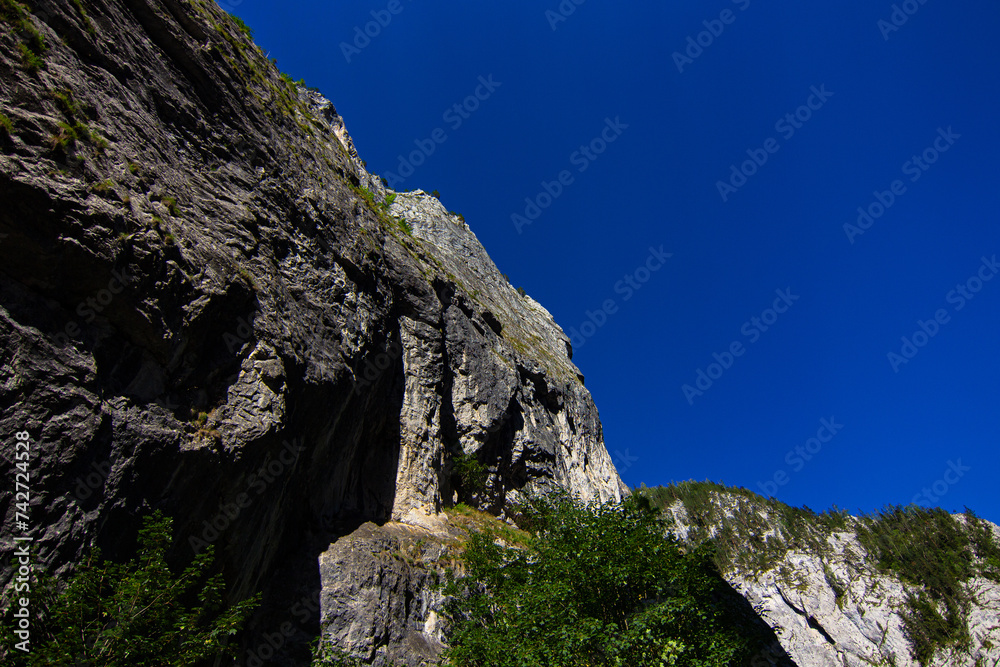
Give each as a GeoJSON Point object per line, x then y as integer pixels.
{"type": "Point", "coordinates": [383, 594]}
{"type": "Point", "coordinates": [829, 604]}
{"type": "Point", "coordinates": [208, 306]}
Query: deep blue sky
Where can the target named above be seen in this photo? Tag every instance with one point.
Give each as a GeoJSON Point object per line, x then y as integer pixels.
{"type": "Point", "coordinates": [656, 184]}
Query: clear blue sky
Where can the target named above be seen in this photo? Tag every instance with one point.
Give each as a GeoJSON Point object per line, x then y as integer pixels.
{"type": "Point", "coordinates": [880, 95]}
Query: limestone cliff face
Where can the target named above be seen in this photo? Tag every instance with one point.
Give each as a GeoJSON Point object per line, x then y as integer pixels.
{"type": "Point", "coordinates": [208, 306]}
{"type": "Point", "coordinates": [829, 604]}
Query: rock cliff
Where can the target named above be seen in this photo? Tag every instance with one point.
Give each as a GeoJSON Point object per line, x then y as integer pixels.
{"type": "Point", "coordinates": [208, 306]}
{"type": "Point", "coordinates": [819, 585]}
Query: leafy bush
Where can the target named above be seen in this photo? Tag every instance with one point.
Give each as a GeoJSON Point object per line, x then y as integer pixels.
{"type": "Point", "coordinates": [595, 585]}
{"type": "Point", "coordinates": [471, 473]}
{"type": "Point", "coordinates": [136, 614]}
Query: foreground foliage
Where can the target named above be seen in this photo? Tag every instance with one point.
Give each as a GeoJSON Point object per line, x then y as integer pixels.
{"type": "Point", "coordinates": [593, 585]}
{"type": "Point", "coordinates": [131, 614]}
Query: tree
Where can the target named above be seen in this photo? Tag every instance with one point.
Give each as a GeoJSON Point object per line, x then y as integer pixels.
{"type": "Point", "coordinates": [136, 614]}
{"type": "Point", "coordinates": [598, 584]}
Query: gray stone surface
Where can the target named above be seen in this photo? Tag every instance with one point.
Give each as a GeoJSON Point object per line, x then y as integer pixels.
{"type": "Point", "coordinates": [205, 316]}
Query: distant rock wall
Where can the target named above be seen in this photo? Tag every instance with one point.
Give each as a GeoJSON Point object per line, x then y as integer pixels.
{"type": "Point", "coordinates": [836, 609]}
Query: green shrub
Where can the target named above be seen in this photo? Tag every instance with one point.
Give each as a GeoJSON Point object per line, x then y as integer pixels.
{"type": "Point", "coordinates": [171, 204]}
{"type": "Point", "coordinates": [67, 104]}
{"type": "Point", "coordinates": [244, 28]}
{"type": "Point", "coordinates": [368, 196]}
{"type": "Point", "coordinates": [472, 474]}
{"type": "Point", "coordinates": [932, 551]}
{"type": "Point", "coordinates": [132, 614]}
{"type": "Point", "coordinates": [596, 585]}
{"type": "Point", "coordinates": [32, 44]}
{"type": "Point", "coordinates": [928, 630]}
{"type": "Point", "coordinates": [405, 225]}
{"type": "Point", "coordinates": [985, 546]}
{"type": "Point", "coordinates": [75, 129]}
{"type": "Point", "coordinates": [31, 60]}
{"type": "Point", "coordinates": [88, 26]}
{"type": "Point", "coordinates": [751, 533]}
{"type": "Point", "coordinates": [103, 187]}
{"type": "Point", "coordinates": [6, 127]}
{"type": "Point", "coordinates": [65, 139]}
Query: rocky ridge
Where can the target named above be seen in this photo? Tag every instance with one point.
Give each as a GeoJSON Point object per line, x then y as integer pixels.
{"type": "Point", "coordinates": [829, 603]}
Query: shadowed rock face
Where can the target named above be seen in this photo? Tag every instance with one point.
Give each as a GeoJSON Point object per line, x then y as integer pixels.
{"type": "Point", "coordinates": [202, 312]}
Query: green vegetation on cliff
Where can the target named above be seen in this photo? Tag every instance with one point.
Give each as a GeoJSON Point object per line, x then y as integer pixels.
{"type": "Point", "coordinates": [934, 553]}
{"type": "Point", "coordinates": [594, 585]}
{"type": "Point", "coordinates": [130, 614]}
